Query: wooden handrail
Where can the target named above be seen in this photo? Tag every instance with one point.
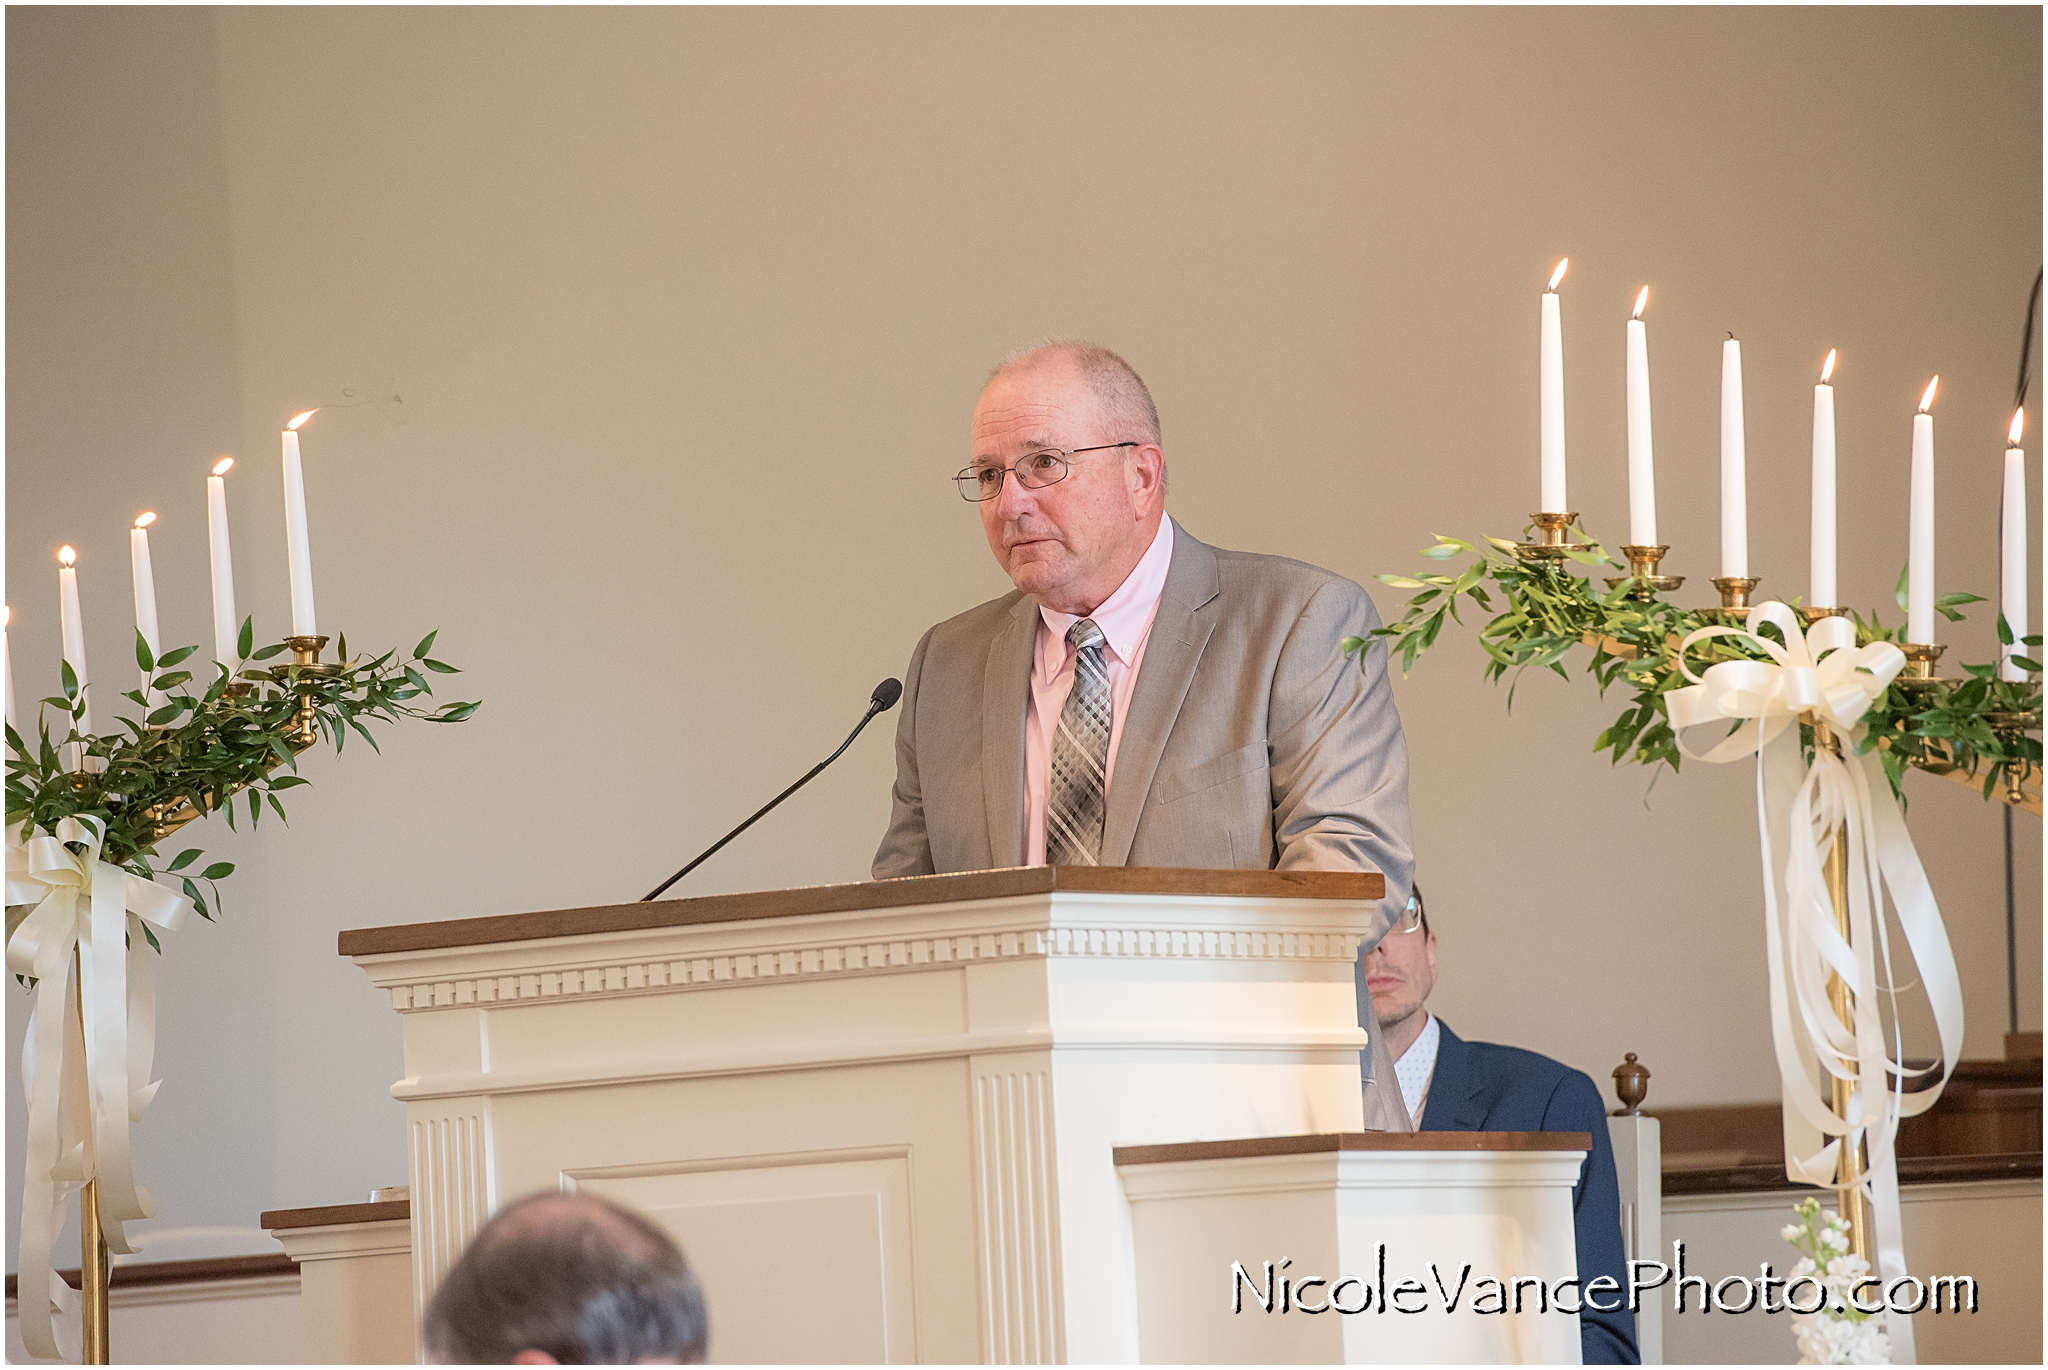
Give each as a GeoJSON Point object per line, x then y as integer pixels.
{"type": "Point", "coordinates": [336, 1215]}
{"type": "Point", "coordinates": [138, 1274]}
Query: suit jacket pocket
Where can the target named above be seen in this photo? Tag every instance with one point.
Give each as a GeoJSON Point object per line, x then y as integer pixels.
{"type": "Point", "coordinates": [1208, 775]}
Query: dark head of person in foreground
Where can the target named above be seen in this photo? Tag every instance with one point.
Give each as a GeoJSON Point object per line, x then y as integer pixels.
{"type": "Point", "coordinates": [567, 1279]}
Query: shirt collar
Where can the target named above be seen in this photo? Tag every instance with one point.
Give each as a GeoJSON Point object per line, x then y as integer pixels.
{"type": "Point", "coordinates": [1126, 615]}
{"type": "Point", "coordinates": [1417, 1066]}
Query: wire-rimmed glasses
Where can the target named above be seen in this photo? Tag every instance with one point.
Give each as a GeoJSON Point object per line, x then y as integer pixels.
{"type": "Point", "coordinates": [1034, 471]}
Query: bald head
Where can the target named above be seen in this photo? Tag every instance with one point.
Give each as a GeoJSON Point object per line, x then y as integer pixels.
{"type": "Point", "coordinates": [1126, 401]}
{"type": "Point", "coordinates": [578, 1218]}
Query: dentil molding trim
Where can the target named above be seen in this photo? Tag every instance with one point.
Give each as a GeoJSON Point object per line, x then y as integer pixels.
{"type": "Point", "coordinates": [842, 956]}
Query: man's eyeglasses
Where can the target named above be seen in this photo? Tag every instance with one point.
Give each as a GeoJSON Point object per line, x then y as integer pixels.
{"type": "Point", "coordinates": [1411, 918]}
{"type": "Point", "coordinates": [1034, 471]}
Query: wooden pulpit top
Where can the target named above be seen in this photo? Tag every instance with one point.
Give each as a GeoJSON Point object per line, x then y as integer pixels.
{"type": "Point", "coordinates": [872, 894]}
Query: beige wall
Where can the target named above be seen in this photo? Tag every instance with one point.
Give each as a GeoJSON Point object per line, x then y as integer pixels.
{"type": "Point", "coordinates": [661, 329]}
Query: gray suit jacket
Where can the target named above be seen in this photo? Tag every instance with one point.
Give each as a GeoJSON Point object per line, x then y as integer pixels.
{"type": "Point", "coordinates": [1251, 740]}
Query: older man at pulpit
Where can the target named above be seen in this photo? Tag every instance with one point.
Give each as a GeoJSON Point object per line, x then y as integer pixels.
{"type": "Point", "coordinates": [1141, 698]}
{"type": "Point", "coordinates": [1451, 1085]}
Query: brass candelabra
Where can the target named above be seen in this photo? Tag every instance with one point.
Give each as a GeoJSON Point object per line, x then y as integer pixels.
{"type": "Point", "coordinates": [166, 819]}
{"type": "Point", "coordinates": [95, 1262]}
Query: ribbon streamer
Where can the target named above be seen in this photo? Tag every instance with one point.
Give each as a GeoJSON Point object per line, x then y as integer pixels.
{"type": "Point", "coordinates": [91, 1046]}
{"type": "Point", "coordinates": [1802, 808]}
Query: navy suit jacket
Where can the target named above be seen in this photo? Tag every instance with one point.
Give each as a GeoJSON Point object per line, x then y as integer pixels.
{"type": "Point", "coordinates": [1482, 1087]}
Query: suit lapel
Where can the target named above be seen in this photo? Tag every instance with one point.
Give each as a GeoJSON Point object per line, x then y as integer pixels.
{"type": "Point", "coordinates": [1005, 693]}
{"type": "Point", "coordinates": [1453, 1103]}
{"type": "Point", "coordinates": [1179, 633]}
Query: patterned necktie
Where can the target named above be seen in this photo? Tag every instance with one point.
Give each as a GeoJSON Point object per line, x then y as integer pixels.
{"type": "Point", "coordinates": [1080, 754]}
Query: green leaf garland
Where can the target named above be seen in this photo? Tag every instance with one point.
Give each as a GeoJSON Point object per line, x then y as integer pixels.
{"type": "Point", "coordinates": [1540, 613]}
{"type": "Point", "coordinates": [191, 756]}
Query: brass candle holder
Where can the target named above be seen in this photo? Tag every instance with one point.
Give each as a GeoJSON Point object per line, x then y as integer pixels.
{"type": "Point", "coordinates": [1814, 613]}
{"type": "Point", "coordinates": [1552, 532]}
{"type": "Point", "coordinates": [1642, 570]}
{"type": "Point", "coordinates": [1919, 676]}
{"type": "Point", "coordinates": [305, 663]}
{"type": "Point", "coordinates": [2011, 728]}
{"type": "Point", "coordinates": [1735, 591]}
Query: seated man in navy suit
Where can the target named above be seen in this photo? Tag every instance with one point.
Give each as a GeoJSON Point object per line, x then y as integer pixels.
{"type": "Point", "coordinates": [1452, 1085]}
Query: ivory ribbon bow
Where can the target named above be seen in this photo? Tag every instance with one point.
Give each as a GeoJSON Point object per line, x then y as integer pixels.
{"type": "Point", "coordinates": [85, 1084]}
{"type": "Point", "coordinates": [1800, 810]}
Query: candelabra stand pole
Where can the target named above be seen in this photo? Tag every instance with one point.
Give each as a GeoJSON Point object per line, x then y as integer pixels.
{"type": "Point", "coordinates": [1855, 1208]}
{"type": "Point", "coordinates": [94, 1266]}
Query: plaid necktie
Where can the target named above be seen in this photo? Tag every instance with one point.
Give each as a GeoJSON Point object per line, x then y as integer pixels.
{"type": "Point", "coordinates": [1080, 754]}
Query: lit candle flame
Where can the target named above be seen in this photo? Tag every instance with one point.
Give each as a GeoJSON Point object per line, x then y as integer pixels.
{"type": "Point", "coordinates": [220, 468]}
{"type": "Point", "coordinates": [6, 615]}
{"type": "Point", "coordinates": [294, 424]}
{"type": "Point", "coordinates": [1641, 300]}
{"type": "Point", "coordinates": [1827, 368]}
{"type": "Point", "coordinates": [2019, 426]}
{"type": "Point", "coordinates": [65, 556]}
{"type": "Point", "coordinates": [1558, 274]}
{"type": "Point", "coordinates": [1928, 399]}
{"type": "Point", "coordinates": [144, 520]}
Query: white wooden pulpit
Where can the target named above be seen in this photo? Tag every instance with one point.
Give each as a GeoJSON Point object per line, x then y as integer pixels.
{"type": "Point", "coordinates": [881, 1118]}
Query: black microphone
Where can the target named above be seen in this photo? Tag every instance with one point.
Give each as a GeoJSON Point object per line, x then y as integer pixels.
{"type": "Point", "coordinates": [881, 701]}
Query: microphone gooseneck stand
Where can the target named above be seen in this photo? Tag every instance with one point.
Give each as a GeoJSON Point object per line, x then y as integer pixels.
{"type": "Point", "coordinates": [881, 701]}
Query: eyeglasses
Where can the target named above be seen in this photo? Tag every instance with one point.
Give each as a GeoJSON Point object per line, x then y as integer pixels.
{"type": "Point", "coordinates": [1411, 918]}
{"type": "Point", "coordinates": [1034, 470]}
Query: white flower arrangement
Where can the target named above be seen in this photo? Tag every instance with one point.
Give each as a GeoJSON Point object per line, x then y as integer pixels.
{"type": "Point", "coordinates": [1838, 1333]}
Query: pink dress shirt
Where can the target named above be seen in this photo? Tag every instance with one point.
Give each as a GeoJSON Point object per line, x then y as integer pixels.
{"type": "Point", "coordinates": [1125, 619]}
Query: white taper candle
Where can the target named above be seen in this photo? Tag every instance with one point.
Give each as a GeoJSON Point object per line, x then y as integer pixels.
{"type": "Point", "coordinates": [1920, 527]}
{"type": "Point", "coordinates": [145, 596]}
{"type": "Point", "coordinates": [297, 548]}
{"type": "Point", "coordinates": [1642, 475]}
{"type": "Point", "coordinates": [1821, 590]}
{"type": "Point", "coordinates": [226, 627]}
{"type": "Point", "coordinates": [71, 624]}
{"type": "Point", "coordinates": [1734, 485]}
{"type": "Point", "coordinates": [2012, 553]}
{"type": "Point", "coordinates": [7, 674]}
{"type": "Point", "coordinates": [1550, 400]}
